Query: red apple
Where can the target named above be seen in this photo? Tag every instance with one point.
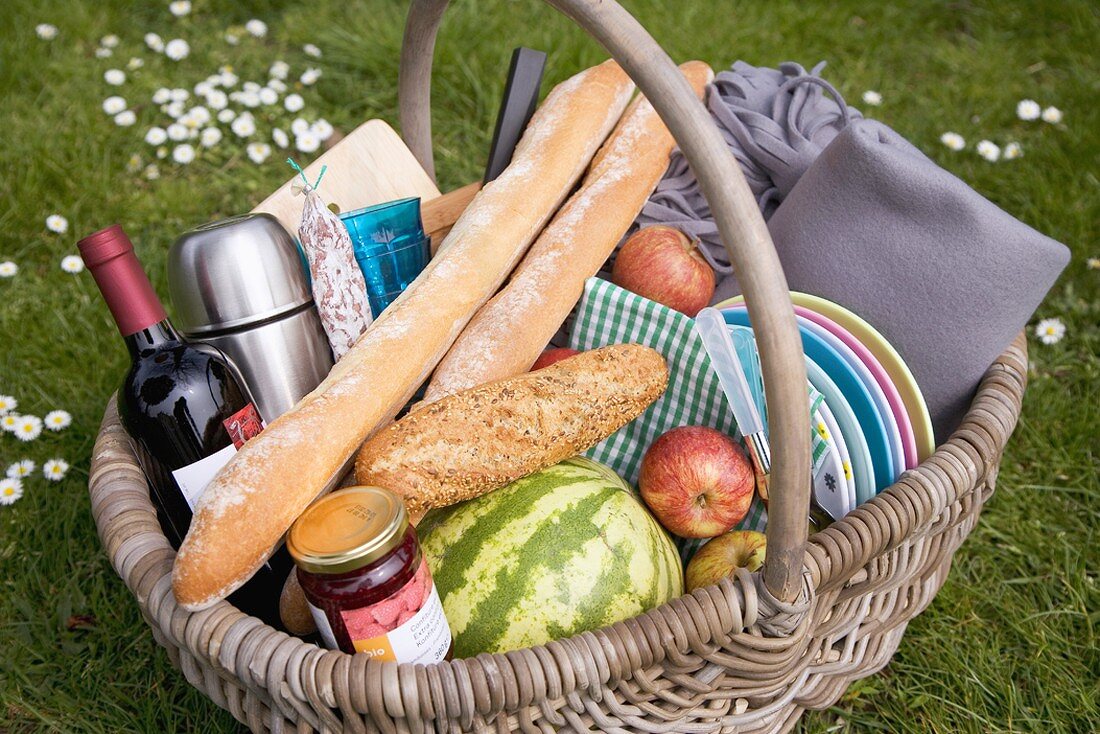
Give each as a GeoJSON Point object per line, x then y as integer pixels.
{"type": "Point", "coordinates": [725, 554]}
{"type": "Point", "coordinates": [663, 264]}
{"type": "Point", "coordinates": [697, 481]}
{"type": "Point", "coordinates": [550, 356]}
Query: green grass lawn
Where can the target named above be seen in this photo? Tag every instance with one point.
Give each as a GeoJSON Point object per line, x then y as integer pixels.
{"type": "Point", "coordinates": [1009, 644]}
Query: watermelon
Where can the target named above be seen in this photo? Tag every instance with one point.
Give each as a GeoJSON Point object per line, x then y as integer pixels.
{"type": "Point", "coordinates": [561, 551]}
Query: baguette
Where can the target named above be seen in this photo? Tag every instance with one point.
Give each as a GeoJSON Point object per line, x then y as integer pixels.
{"type": "Point", "coordinates": [478, 440]}
{"type": "Point", "coordinates": [511, 330]}
{"type": "Point", "coordinates": [254, 499]}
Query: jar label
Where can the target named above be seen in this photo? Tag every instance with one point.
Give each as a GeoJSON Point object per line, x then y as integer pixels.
{"type": "Point", "coordinates": [406, 627]}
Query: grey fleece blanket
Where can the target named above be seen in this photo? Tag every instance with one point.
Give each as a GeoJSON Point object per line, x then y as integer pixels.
{"type": "Point", "coordinates": [861, 217]}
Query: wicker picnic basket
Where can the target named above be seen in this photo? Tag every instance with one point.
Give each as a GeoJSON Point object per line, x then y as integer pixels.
{"type": "Point", "coordinates": [748, 654]}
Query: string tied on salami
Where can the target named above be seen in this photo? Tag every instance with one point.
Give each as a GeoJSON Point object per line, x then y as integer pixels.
{"type": "Point", "coordinates": [339, 288]}
{"type": "Point", "coordinates": [305, 187]}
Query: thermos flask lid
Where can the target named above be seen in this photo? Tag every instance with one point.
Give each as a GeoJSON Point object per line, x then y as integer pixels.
{"type": "Point", "coordinates": [235, 272]}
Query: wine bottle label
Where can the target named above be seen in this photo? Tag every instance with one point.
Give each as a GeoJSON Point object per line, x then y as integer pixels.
{"type": "Point", "coordinates": [193, 478]}
{"type": "Point", "coordinates": [243, 425]}
{"type": "Point", "coordinates": [406, 627]}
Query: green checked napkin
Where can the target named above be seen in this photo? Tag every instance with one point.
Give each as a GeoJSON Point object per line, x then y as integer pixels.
{"type": "Point", "coordinates": [608, 314]}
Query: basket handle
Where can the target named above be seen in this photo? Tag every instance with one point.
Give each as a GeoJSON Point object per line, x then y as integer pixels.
{"type": "Point", "coordinates": [739, 221]}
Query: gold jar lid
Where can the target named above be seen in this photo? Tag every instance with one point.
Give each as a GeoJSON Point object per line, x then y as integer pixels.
{"type": "Point", "coordinates": [347, 530]}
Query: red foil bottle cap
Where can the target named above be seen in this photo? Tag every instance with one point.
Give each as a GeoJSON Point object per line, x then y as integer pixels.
{"type": "Point", "coordinates": [110, 258]}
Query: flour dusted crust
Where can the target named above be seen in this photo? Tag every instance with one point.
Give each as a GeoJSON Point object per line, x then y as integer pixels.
{"type": "Point", "coordinates": [251, 503]}
{"type": "Point", "coordinates": [480, 439]}
{"type": "Point", "coordinates": [508, 333]}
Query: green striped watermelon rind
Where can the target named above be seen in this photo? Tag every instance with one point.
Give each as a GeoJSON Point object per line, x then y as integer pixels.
{"type": "Point", "coordinates": [524, 535]}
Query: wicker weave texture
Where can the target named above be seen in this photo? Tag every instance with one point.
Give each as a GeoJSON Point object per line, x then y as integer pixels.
{"type": "Point", "coordinates": [728, 658]}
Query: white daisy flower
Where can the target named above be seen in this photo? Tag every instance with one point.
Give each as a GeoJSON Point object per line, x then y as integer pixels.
{"type": "Point", "coordinates": [133, 165]}
{"type": "Point", "coordinates": [299, 126]}
{"type": "Point", "coordinates": [203, 88]}
{"type": "Point", "coordinates": [1050, 331]}
{"type": "Point", "coordinates": [294, 102]}
{"type": "Point", "coordinates": [179, 8]}
{"type": "Point", "coordinates": [177, 49]}
{"type": "Point", "coordinates": [10, 491]}
{"type": "Point", "coordinates": [249, 98]}
{"type": "Point", "coordinates": [226, 115]}
{"type": "Point", "coordinates": [135, 63]}
{"type": "Point", "coordinates": [1028, 109]}
{"type": "Point", "coordinates": [174, 110]}
{"type": "Point", "coordinates": [46, 31]}
{"type": "Point", "coordinates": [988, 150]}
{"type": "Point", "coordinates": [177, 132]}
{"type": "Point", "coordinates": [1053, 115]}
{"type": "Point", "coordinates": [114, 105]}
{"type": "Point", "coordinates": [162, 152]}
{"type": "Point", "coordinates": [28, 427]}
{"type": "Point", "coordinates": [154, 42]}
{"type": "Point", "coordinates": [244, 126]}
{"type": "Point", "coordinates": [55, 469]}
{"type": "Point", "coordinates": [312, 50]}
{"type": "Point", "coordinates": [310, 76]}
{"type": "Point", "coordinates": [104, 53]}
{"type": "Point", "coordinates": [322, 129]}
{"type": "Point", "coordinates": [162, 96]}
{"type": "Point", "coordinates": [280, 137]}
{"type": "Point", "coordinates": [155, 136]}
{"type": "Point", "coordinates": [114, 77]}
{"type": "Point", "coordinates": [232, 38]}
{"type": "Point", "coordinates": [183, 153]}
{"type": "Point", "coordinates": [57, 223]}
{"type": "Point", "coordinates": [228, 78]}
{"type": "Point", "coordinates": [954, 141]}
{"type": "Point", "coordinates": [216, 99]}
{"type": "Point", "coordinates": [277, 84]}
{"type": "Point", "coordinates": [1012, 151]}
{"type": "Point", "coordinates": [8, 269]}
{"type": "Point", "coordinates": [1093, 263]}
{"type": "Point", "coordinates": [268, 96]}
{"type": "Point", "coordinates": [872, 98]}
{"type": "Point", "coordinates": [151, 172]}
{"type": "Point", "coordinates": [109, 41]}
{"type": "Point", "coordinates": [126, 118]}
{"type": "Point", "coordinates": [258, 152]}
{"type": "Point", "coordinates": [251, 86]}
{"type": "Point", "coordinates": [256, 28]}
{"type": "Point", "coordinates": [57, 420]}
{"type": "Point", "coordinates": [279, 69]}
{"type": "Point", "coordinates": [210, 137]}
{"type": "Point", "coordinates": [21, 469]}
{"type": "Point", "coordinates": [307, 142]}
{"type": "Point", "coordinates": [72, 264]}
{"type": "Point", "coordinates": [200, 114]}
{"type": "Point", "coordinates": [179, 94]}
{"type": "Point", "coordinates": [9, 421]}
{"type": "Point", "coordinates": [7, 404]}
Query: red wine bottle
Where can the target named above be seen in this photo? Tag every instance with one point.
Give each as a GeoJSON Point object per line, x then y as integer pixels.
{"type": "Point", "coordinates": [184, 405]}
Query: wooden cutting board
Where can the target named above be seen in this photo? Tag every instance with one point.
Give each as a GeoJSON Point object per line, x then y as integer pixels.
{"type": "Point", "coordinates": [369, 166]}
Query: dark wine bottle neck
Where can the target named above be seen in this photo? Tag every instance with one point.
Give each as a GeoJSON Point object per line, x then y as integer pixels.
{"type": "Point", "coordinates": [151, 338]}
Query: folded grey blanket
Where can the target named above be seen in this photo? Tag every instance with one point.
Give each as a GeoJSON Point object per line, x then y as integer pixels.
{"type": "Point", "coordinates": [861, 217]}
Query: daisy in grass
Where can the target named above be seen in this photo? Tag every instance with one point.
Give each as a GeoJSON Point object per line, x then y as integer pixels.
{"type": "Point", "coordinates": [72, 264]}
{"type": "Point", "coordinates": [179, 8]}
{"type": "Point", "coordinates": [310, 76]}
{"type": "Point", "coordinates": [1053, 115]}
{"type": "Point", "coordinates": [28, 427]}
{"type": "Point", "coordinates": [21, 469]}
{"type": "Point", "coordinates": [9, 421]}
{"type": "Point", "coordinates": [8, 269]}
{"type": "Point", "coordinates": [312, 50]}
{"type": "Point", "coordinates": [154, 42]}
{"type": "Point", "coordinates": [57, 223]}
{"type": "Point", "coordinates": [1050, 331]}
{"type": "Point", "coordinates": [55, 469]}
{"type": "Point", "coordinates": [126, 118]}
{"type": "Point", "coordinates": [294, 102]}
{"type": "Point", "coordinates": [57, 420]}
{"type": "Point", "coordinates": [256, 28]}
{"type": "Point", "coordinates": [114, 77]}
{"type": "Point", "coordinates": [989, 150]}
{"type": "Point", "coordinates": [1093, 263]}
{"type": "Point", "coordinates": [104, 53]}
{"type": "Point", "coordinates": [135, 63]}
{"type": "Point", "coordinates": [258, 152]}
{"type": "Point", "coordinates": [1013, 151]}
{"type": "Point", "coordinates": [177, 49]}
{"type": "Point", "coordinates": [872, 98]}
{"type": "Point", "coordinates": [109, 41]}
{"type": "Point", "coordinates": [10, 491]}
{"type": "Point", "coordinates": [1028, 109]}
{"type": "Point", "coordinates": [114, 105]}
{"type": "Point", "coordinates": [7, 404]}
{"type": "Point", "coordinates": [46, 31]}
{"type": "Point", "coordinates": [953, 141]}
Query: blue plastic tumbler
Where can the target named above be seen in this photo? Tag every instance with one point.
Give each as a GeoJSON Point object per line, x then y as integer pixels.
{"type": "Point", "coordinates": [390, 248]}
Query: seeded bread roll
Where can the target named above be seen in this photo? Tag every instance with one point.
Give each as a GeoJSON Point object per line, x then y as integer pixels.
{"type": "Point", "coordinates": [256, 497]}
{"type": "Point", "coordinates": [480, 439]}
{"type": "Point", "coordinates": [511, 330]}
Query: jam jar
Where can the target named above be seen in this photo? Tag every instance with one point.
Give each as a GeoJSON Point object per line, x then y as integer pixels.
{"type": "Point", "coordinates": [367, 583]}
